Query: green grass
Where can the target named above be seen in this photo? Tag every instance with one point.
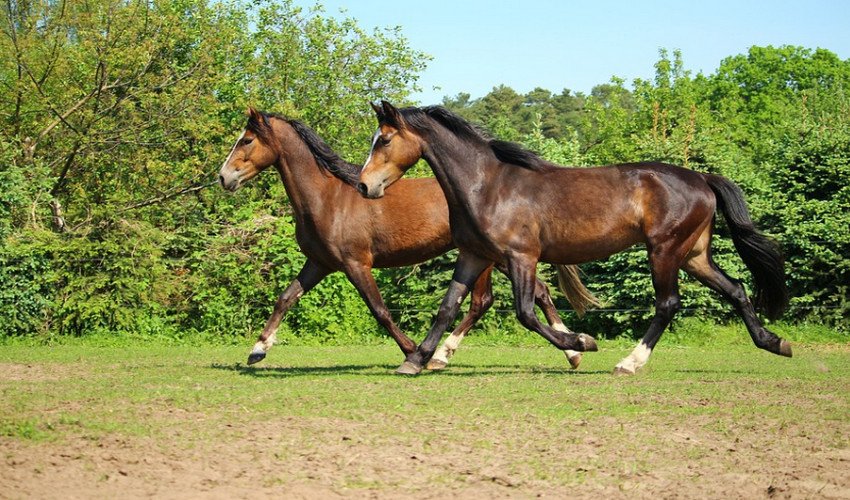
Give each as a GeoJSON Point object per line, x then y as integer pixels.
{"type": "Point", "coordinates": [102, 389]}
{"type": "Point", "coordinates": [519, 406]}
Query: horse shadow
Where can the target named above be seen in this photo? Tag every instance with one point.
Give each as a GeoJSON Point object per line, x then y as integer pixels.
{"type": "Point", "coordinates": [388, 371]}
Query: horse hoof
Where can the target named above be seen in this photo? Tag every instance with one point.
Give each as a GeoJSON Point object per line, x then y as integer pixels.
{"type": "Point", "coordinates": [785, 348]}
{"type": "Point", "coordinates": [408, 368]}
{"type": "Point", "coordinates": [620, 370]}
{"type": "Point", "coordinates": [256, 357]}
{"type": "Point", "coordinates": [436, 364]}
{"type": "Point", "coordinates": [587, 343]}
{"type": "Point", "coordinates": [574, 360]}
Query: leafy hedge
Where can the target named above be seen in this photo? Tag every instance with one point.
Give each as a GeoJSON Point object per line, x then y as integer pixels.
{"type": "Point", "coordinates": [103, 128]}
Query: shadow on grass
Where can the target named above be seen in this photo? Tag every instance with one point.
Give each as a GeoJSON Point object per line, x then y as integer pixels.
{"type": "Point", "coordinates": [457, 370]}
{"type": "Point", "coordinates": [725, 371]}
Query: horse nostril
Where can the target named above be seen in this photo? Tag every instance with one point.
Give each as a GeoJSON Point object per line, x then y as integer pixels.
{"type": "Point", "coordinates": [362, 188]}
{"type": "Point", "coordinates": [221, 180]}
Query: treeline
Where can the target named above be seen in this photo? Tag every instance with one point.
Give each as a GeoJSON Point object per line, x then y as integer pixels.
{"type": "Point", "coordinates": [774, 120]}
{"type": "Point", "coordinates": [116, 117]}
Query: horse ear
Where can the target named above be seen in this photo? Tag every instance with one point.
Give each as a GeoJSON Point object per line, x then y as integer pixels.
{"type": "Point", "coordinates": [392, 116]}
{"type": "Point", "coordinates": [251, 112]}
{"type": "Point", "coordinates": [379, 112]}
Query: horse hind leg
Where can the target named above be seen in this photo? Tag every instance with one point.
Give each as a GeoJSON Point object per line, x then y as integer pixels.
{"type": "Point", "coordinates": [702, 267]}
{"type": "Point", "coordinates": [481, 301]}
{"type": "Point", "coordinates": [665, 270]}
{"type": "Point", "coordinates": [309, 276]}
{"type": "Point", "coordinates": [521, 272]}
{"type": "Point", "coordinates": [543, 299]}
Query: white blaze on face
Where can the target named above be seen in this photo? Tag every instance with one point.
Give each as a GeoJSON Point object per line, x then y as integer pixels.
{"type": "Point", "coordinates": [242, 136]}
{"type": "Point", "coordinates": [374, 141]}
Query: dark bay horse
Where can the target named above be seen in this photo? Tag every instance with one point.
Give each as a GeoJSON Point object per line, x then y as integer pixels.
{"type": "Point", "coordinates": [509, 206]}
{"type": "Point", "coordinates": [338, 230]}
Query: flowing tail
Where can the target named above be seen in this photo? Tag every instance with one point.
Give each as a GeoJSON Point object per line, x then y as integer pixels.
{"type": "Point", "coordinates": [577, 294]}
{"type": "Point", "coordinates": [761, 254]}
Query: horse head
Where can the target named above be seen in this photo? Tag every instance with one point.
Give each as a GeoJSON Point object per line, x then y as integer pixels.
{"type": "Point", "coordinates": [395, 148]}
{"type": "Point", "coordinates": [253, 152]}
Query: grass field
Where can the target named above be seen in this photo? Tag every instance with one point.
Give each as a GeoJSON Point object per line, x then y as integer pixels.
{"type": "Point", "coordinates": [179, 421]}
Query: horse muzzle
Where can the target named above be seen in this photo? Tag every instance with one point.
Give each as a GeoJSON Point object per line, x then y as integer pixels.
{"type": "Point", "coordinates": [371, 192]}
{"type": "Point", "coordinates": [230, 182]}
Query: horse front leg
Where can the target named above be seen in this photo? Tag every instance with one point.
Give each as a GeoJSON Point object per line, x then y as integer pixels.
{"type": "Point", "coordinates": [309, 276]}
{"type": "Point", "coordinates": [467, 270]}
{"type": "Point", "coordinates": [361, 277]}
{"type": "Point", "coordinates": [482, 299]}
{"type": "Point", "coordinates": [521, 270]}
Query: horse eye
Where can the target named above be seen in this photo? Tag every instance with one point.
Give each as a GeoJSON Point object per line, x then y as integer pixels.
{"type": "Point", "coordinates": [384, 140]}
{"type": "Point", "coordinates": [247, 140]}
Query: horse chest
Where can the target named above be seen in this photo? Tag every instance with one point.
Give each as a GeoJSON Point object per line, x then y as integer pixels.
{"type": "Point", "coordinates": [313, 241]}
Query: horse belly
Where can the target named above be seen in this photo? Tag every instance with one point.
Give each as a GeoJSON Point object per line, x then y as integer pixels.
{"type": "Point", "coordinates": [573, 240]}
{"type": "Point", "coordinates": [405, 245]}
{"type": "Point", "coordinates": [578, 251]}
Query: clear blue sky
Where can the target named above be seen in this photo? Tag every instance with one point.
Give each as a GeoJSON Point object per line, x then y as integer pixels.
{"type": "Point", "coordinates": [524, 44]}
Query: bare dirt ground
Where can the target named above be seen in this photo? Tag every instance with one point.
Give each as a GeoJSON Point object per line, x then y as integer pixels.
{"type": "Point", "coordinates": [318, 458]}
{"type": "Point", "coordinates": [235, 450]}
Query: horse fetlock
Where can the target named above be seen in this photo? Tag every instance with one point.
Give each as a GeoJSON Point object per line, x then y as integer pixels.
{"type": "Point", "coordinates": [769, 341]}
{"type": "Point", "coordinates": [561, 328]}
{"type": "Point", "coordinates": [586, 343]}
{"type": "Point", "coordinates": [268, 342]}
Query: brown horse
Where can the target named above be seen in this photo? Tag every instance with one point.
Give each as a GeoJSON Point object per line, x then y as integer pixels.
{"type": "Point", "coordinates": [338, 230]}
{"type": "Point", "coordinates": [509, 206]}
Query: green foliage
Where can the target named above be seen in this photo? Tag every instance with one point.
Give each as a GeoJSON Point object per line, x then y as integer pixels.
{"type": "Point", "coordinates": [111, 103]}
{"type": "Point", "coordinates": [810, 171]}
{"type": "Point", "coordinates": [110, 108]}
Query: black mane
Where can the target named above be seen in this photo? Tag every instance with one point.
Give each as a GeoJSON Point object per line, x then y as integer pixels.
{"type": "Point", "coordinates": [506, 152]}
{"type": "Point", "coordinates": [323, 154]}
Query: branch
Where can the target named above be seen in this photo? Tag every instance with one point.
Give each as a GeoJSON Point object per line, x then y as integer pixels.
{"type": "Point", "coordinates": [194, 188]}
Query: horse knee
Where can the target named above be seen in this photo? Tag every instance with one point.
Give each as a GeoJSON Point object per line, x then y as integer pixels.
{"type": "Point", "coordinates": [668, 306]}
{"type": "Point", "coordinates": [738, 295]}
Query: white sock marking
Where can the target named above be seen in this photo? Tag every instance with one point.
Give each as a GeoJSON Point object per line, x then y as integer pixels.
{"type": "Point", "coordinates": [635, 361]}
{"type": "Point", "coordinates": [561, 328]}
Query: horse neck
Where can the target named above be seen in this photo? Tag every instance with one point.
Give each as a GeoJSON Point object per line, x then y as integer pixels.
{"type": "Point", "coordinates": [460, 166]}
{"type": "Point", "coordinates": [307, 185]}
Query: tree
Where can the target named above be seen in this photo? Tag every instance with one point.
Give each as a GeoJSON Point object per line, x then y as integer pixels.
{"type": "Point", "coordinates": [112, 108]}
